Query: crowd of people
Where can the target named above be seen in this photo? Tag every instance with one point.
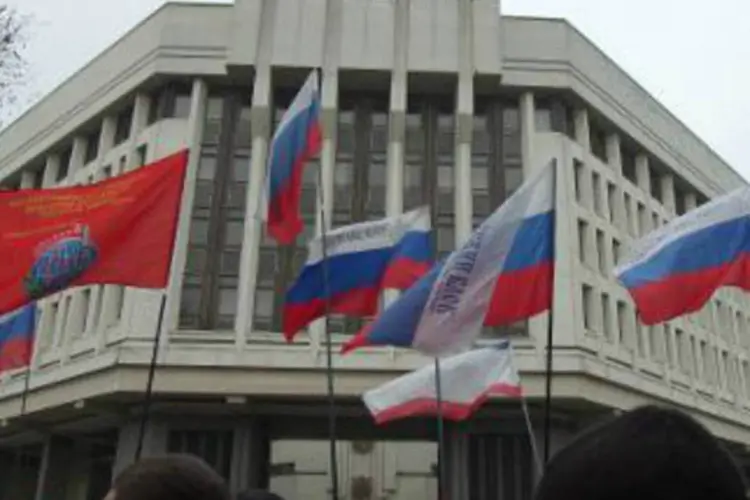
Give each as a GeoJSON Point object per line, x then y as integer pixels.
{"type": "Point", "coordinates": [648, 453]}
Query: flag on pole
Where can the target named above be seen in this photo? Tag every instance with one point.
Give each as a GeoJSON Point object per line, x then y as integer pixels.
{"type": "Point", "coordinates": [676, 269]}
{"type": "Point", "coordinates": [297, 139]}
{"type": "Point", "coordinates": [119, 231]}
{"type": "Point", "coordinates": [17, 338]}
{"type": "Point", "coordinates": [362, 260]}
{"type": "Point", "coordinates": [467, 380]}
{"type": "Point", "coordinates": [503, 274]}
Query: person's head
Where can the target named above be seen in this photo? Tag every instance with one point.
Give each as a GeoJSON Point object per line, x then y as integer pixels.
{"type": "Point", "coordinates": [171, 477]}
{"type": "Point", "coordinates": [258, 495]}
{"type": "Point", "coordinates": [648, 453]}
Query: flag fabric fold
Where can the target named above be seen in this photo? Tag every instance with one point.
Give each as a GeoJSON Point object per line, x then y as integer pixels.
{"type": "Point", "coordinates": [297, 139]}
{"type": "Point", "coordinates": [467, 380]}
{"type": "Point", "coordinates": [17, 331]}
{"type": "Point", "coordinates": [119, 231]}
{"type": "Point", "coordinates": [361, 260]}
{"type": "Point", "coordinates": [503, 274]}
{"type": "Point", "coordinates": [677, 268]}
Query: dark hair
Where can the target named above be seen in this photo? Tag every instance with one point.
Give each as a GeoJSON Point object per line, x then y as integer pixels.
{"type": "Point", "coordinates": [647, 453]}
{"type": "Point", "coordinates": [258, 495]}
{"type": "Point", "coordinates": [171, 477]}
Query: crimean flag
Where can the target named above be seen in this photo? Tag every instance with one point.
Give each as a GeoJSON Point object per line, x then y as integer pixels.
{"type": "Point", "coordinates": [119, 231]}
{"type": "Point", "coordinates": [17, 338]}
{"type": "Point", "coordinates": [467, 381]}
{"type": "Point", "coordinates": [297, 140]}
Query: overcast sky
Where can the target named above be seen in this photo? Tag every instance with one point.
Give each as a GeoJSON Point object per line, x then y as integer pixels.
{"type": "Point", "coordinates": [692, 55]}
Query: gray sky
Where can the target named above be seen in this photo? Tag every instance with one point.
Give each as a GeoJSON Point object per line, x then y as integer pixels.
{"type": "Point", "coordinates": [692, 55]}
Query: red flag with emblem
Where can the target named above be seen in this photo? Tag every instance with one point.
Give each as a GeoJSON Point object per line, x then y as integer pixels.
{"type": "Point", "coordinates": [119, 231]}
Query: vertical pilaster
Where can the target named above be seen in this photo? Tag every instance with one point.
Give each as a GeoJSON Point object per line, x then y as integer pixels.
{"type": "Point", "coordinates": [642, 176]}
{"type": "Point", "coordinates": [179, 255]}
{"type": "Point", "coordinates": [261, 122]}
{"type": "Point", "coordinates": [614, 153]}
{"type": "Point", "coordinates": [582, 131]}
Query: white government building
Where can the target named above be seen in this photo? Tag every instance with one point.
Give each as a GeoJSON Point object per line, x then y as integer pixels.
{"type": "Point", "coordinates": [439, 102]}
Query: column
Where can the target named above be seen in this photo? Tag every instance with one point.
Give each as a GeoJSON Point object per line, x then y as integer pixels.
{"type": "Point", "coordinates": [137, 125]}
{"type": "Point", "coordinates": [27, 179]}
{"type": "Point", "coordinates": [528, 130]}
{"type": "Point", "coordinates": [394, 193]}
{"type": "Point", "coordinates": [251, 458]}
{"type": "Point", "coordinates": [614, 154]}
{"type": "Point", "coordinates": [154, 442]}
{"type": "Point", "coordinates": [667, 192]}
{"type": "Point", "coordinates": [179, 254]}
{"type": "Point", "coordinates": [582, 132]}
{"type": "Point", "coordinates": [261, 123]}
{"type": "Point", "coordinates": [50, 170]}
{"type": "Point", "coordinates": [642, 176]}
{"type": "Point", "coordinates": [77, 156]}
{"type": "Point", "coordinates": [57, 458]}
{"type": "Point", "coordinates": [691, 201]}
{"type": "Point", "coordinates": [462, 175]}
{"type": "Point", "coordinates": [457, 458]}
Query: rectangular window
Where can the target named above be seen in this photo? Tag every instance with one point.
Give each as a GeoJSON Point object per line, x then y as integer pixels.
{"type": "Point", "coordinates": [622, 322]}
{"type": "Point", "coordinates": [598, 138]}
{"type": "Point", "coordinates": [612, 205]}
{"type": "Point", "coordinates": [629, 217]}
{"type": "Point", "coordinates": [140, 155]}
{"type": "Point", "coordinates": [616, 250]}
{"type": "Point", "coordinates": [643, 220]}
{"type": "Point", "coordinates": [679, 200]}
{"type": "Point", "coordinates": [627, 155]}
{"type": "Point", "coordinates": [92, 146]}
{"type": "Point", "coordinates": [215, 447]}
{"type": "Point", "coordinates": [583, 238]}
{"type": "Point", "coordinates": [601, 252]}
{"type": "Point", "coordinates": [123, 123]}
{"type": "Point", "coordinates": [580, 173]}
{"type": "Point", "coordinates": [64, 166]}
{"type": "Point", "coordinates": [596, 181]}
{"type": "Point", "coordinates": [496, 171]}
{"type": "Point", "coordinates": [209, 297]}
{"type": "Point", "coordinates": [606, 318]}
{"type": "Point", "coordinates": [587, 298]}
{"type": "Point", "coordinates": [655, 181]}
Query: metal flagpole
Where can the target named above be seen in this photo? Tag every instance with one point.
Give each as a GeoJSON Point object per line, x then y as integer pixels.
{"type": "Point", "coordinates": [550, 328]}
{"type": "Point", "coordinates": [329, 344]}
{"type": "Point", "coordinates": [440, 432]}
{"type": "Point", "coordinates": [148, 396]}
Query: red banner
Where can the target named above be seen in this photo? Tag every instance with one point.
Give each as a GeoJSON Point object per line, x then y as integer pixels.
{"type": "Point", "coordinates": [119, 231]}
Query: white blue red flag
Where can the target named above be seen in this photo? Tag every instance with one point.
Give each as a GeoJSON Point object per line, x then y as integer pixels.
{"type": "Point", "coordinates": [503, 274]}
{"type": "Point", "coordinates": [17, 338]}
{"type": "Point", "coordinates": [361, 260]}
{"type": "Point", "coordinates": [676, 269]}
{"type": "Point", "coordinates": [467, 380]}
{"type": "Point", "coordinates": [297, 139]}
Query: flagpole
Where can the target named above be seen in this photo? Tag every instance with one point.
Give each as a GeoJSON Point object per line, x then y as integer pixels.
{"type": "Point", "coordinates": [550, 328]}
{"type": "Point", "coordinates": [440, 432]}
{"type": "Point", "coordinates": [329, 344]}
{"type": "Point", "coordinates": [148, 396]}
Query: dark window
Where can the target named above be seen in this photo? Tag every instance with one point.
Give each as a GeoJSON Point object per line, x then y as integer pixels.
{"type": "Point", "coordinates": [123, 123]}
{"type": "Point", "coordinates": [627, 157]}
{"type": "Point", "coordinates": [429, 162]}
{"type": "Point", "coordinates": [141, 155]}
{"type": "Point", "coordinates": [552, 114]}
{"type": "Point", "coordinates": [360, 171]}
{"type": "Point", "coordinates": [62, 171]}
{"type": "Point", "coordinates": [497, 169]}
{"type": "Point", "coordinates": [655, 171]}
{"type": "Point", "coordinates": [92, 146]}
{"type": "Point", "coordinates": [279, 265]}
{"type": "Point", "coordinates": [598, 138]}
{"type": "Point", "coordinates": [209, 297]}
{"type": "Point", "coordinates": [213, 446]}
{"type": "Point", "coordinates": [171, 101]}
{"type": "Point", "coordinates": [679, 199]}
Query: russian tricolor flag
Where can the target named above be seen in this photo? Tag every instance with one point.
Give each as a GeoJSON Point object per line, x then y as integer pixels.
{"type": "Point", "coordinates": [297, 139]}
{"type": "Point", "coordinates": [503, 274]}
{"type": "Point", "coordinates": [467, 380]}
{"type": "Point", "coordinates": [361, 261]}
{"type": "Point", "coordinates": [676, 269]}
{"type": "Point", "coordinates": [17, 338]}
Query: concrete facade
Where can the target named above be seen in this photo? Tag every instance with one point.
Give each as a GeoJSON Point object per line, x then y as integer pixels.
{"type": "Point", "coordinates": [441, 100]}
